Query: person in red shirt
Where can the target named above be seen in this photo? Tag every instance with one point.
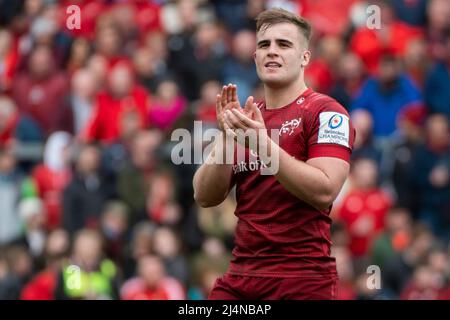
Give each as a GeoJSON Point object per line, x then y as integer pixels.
{"type": "Point", "coordinates": [393, 36]}
{"type": "Point", "coordinates": [123, 99]}
{"type": "Point", "coordinates": [9, 60]}
{"type": "Point", "coordinates": [152, 283]}
{"type": "Point", "coordinates": [41, 91]}
{"type": "Point", "coordinates": [282, 240]}
{"type": "Point", "coordinates": [53, 175]}
{"type": "Point", "coordinates": [364, 208]}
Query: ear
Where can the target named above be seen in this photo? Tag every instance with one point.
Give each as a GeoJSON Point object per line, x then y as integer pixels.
{"type": "Point", "coordinates": [254, 55]}
{"type": "Point", "coordinates": [306, 55]}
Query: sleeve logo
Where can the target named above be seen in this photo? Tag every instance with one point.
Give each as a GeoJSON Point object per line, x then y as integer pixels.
{"type": "Point", "coordinates": [335, 121]}
{"type": "Point", "coordinates": [333, 128]}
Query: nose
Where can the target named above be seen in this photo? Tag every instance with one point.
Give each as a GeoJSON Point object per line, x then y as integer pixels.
{"type": "Point", "coordinates": [272, 50]}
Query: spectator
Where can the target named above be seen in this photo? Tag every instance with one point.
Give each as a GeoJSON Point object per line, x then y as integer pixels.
{"type": "Point", "coordinates": [152, 283]}
{"type": "Point", "coordinates": [416, 62]}
{"type": "Point", "coordinates": [167, 245]}
{"type": "Point", "coordinates": [98, 65]}
{"type": "Point", "coordinates": [397, 163]}
{"type": "Point", "coordinates": [97, 276]}
{"type": "Point", "coordinates": [32, 214]}
{"type": "Point", "coordinates": [385, 95]}
{"type": "Point", "coordinates": [116, 156]}
{"type": "Point", "coordinates": [109, 42]}
{"type": "Point", "coordinates": [52, 176]}
{"type": "Point", "coordinates": [43, 284]}
{"type": "Point", "coordinates": [234, 14]}
{"type": "Point", "coordinates": [364, 207]}
{"type": "Point", "coordinates": [19, 267]}
{"type": "Point", "coordinates": [392, 36]}
{"type": "Point", "coordinates": [364, 145]}
{"type": "Point", "coordinates": [411, 12]}
{"type": "Point", "coordinates": [155, 46]}
{"type": "Point", "coordinates": [161, 204]}
{"type": "Point", "coordinates": [146, 71]}
{"type": "Point", "coordinates": [424, 285]}
{"type": "Point", "coordinates": [140, 245]}
{"type": "Point", "coordinates": [219, 221]}
{"type": "Point", "coordinates": [322, 69]}
{"type": "Point", "coordinates": [349, 79]}
{"type": "Point", "coordinates": [84, 89]}
{"type": "Point", "coordinates": [199, 58]}
{"type": "Point", "coordinates": [133, 180]}
{"type": "Point", "coordinates": [430, 177]}
{"type": "Point", "coordinates": [399, 269]}
{"type": "Point", "coordinates": [41, 91]}
{"type": "Point", "coordinates": [205, 107]}
{"type": "Point", "coordinates": [395, 237]}
{"type": "Point", "coordinates": [438, 12]}
{"type": "Point", "coordinates": [15, 128]}
{"type": "Point", "coordinates": [9, 58]}
{"type": "Point", "coordinates": [122, 98]}
{"type": "Point", "coordinates": [240, 67]}
{"type": "Point", "coordinates": [113, 225]}
{"type": "Point", "coordinates": [213, 259]}
{"type": "Point", "coordinates": [11, 184]}
{"type": "Point", "coordinates": [79, 55]}
{"type": "Point", "coordinates": [345, 271]}
{"type": "Point", "coordinates": [167, 106]}
{"type": "Point", "coordinates": [86, 193]}
{"type": "Point", "coordinates": [437, 86]}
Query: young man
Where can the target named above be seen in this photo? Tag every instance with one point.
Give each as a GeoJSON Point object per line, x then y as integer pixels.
{"type": "Point", "coordinates": [282, 242]}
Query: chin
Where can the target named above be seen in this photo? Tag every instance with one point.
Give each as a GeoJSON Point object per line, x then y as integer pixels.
{"type": "Point", "coordinates": [274, 82]}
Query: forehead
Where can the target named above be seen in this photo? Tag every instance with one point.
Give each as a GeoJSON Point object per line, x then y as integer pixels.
{"type": "Point", "coordinates": [284, 30]}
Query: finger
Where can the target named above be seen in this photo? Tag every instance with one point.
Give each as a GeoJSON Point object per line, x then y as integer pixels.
{"type": "Point", "coordinates": [229, 93]}
{"type": "Point", "coordinates": [234, 121]}
{"type": "Point", "coordinates": [257, 113]}
{"type": "Point", "coordinates": [249, 102]}
{"type": "Point", "coordinates": [234, 96]}
{"type": "Point", "coordinates": [247, 106]}
{"type": "Point", "coordinates": [218, 105]}
{"type": "Point", "coordinates": [229, 131]}
{"type": "Point", "coordinates": [226, 121]}
{"type": "Point", "coordinates": [223, 96]}
{"type": "Point", "coordinates": [245, 120]}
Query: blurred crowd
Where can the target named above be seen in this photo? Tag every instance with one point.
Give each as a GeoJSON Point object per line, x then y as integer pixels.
{"type": "Point", "coordinates": [91, 205]}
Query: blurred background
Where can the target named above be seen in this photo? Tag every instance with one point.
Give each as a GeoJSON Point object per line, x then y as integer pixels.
{"type": "Point", "coordinates": [86, 115]}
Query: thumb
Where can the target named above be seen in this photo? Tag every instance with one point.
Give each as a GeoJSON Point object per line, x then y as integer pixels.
{"type": "Point", "coordinates": [248, 104]}
{"type": "Point", "coordinates": [257, 113]}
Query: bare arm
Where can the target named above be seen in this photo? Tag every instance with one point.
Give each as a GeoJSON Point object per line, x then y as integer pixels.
{"type": "Point", "coordinates": [212, 181]}
{"type": "Point", "coordinates": [317, 181]}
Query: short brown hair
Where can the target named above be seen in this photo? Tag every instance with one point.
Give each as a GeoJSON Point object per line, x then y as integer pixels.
{"type": "Point", "coordinates": [273, 16]}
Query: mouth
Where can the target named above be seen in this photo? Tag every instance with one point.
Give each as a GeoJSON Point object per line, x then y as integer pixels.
{"type": "Point", "coordinates": [272, 64]}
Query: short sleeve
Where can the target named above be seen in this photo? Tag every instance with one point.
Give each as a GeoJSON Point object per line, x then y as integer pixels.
{"type": "Point", "coordinates": [331, 133]}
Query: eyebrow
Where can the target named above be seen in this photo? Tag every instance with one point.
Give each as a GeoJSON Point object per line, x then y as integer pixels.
{"type": "Point", "coordinates": [279, 41]}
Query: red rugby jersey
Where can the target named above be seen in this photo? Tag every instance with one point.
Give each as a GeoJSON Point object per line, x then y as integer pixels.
{"type": "Point", "coordinates": [277, 234]}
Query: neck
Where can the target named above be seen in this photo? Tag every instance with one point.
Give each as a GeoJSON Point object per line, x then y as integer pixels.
{"type": "Point", "coordinates": [279, 97]}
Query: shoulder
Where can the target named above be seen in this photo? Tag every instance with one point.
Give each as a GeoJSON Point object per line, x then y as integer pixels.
{"type": "Point", "coordinates": [321, 103]}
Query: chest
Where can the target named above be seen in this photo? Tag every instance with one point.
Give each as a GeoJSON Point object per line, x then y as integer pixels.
{"type": "Point", "coordinates": [289, 130]}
